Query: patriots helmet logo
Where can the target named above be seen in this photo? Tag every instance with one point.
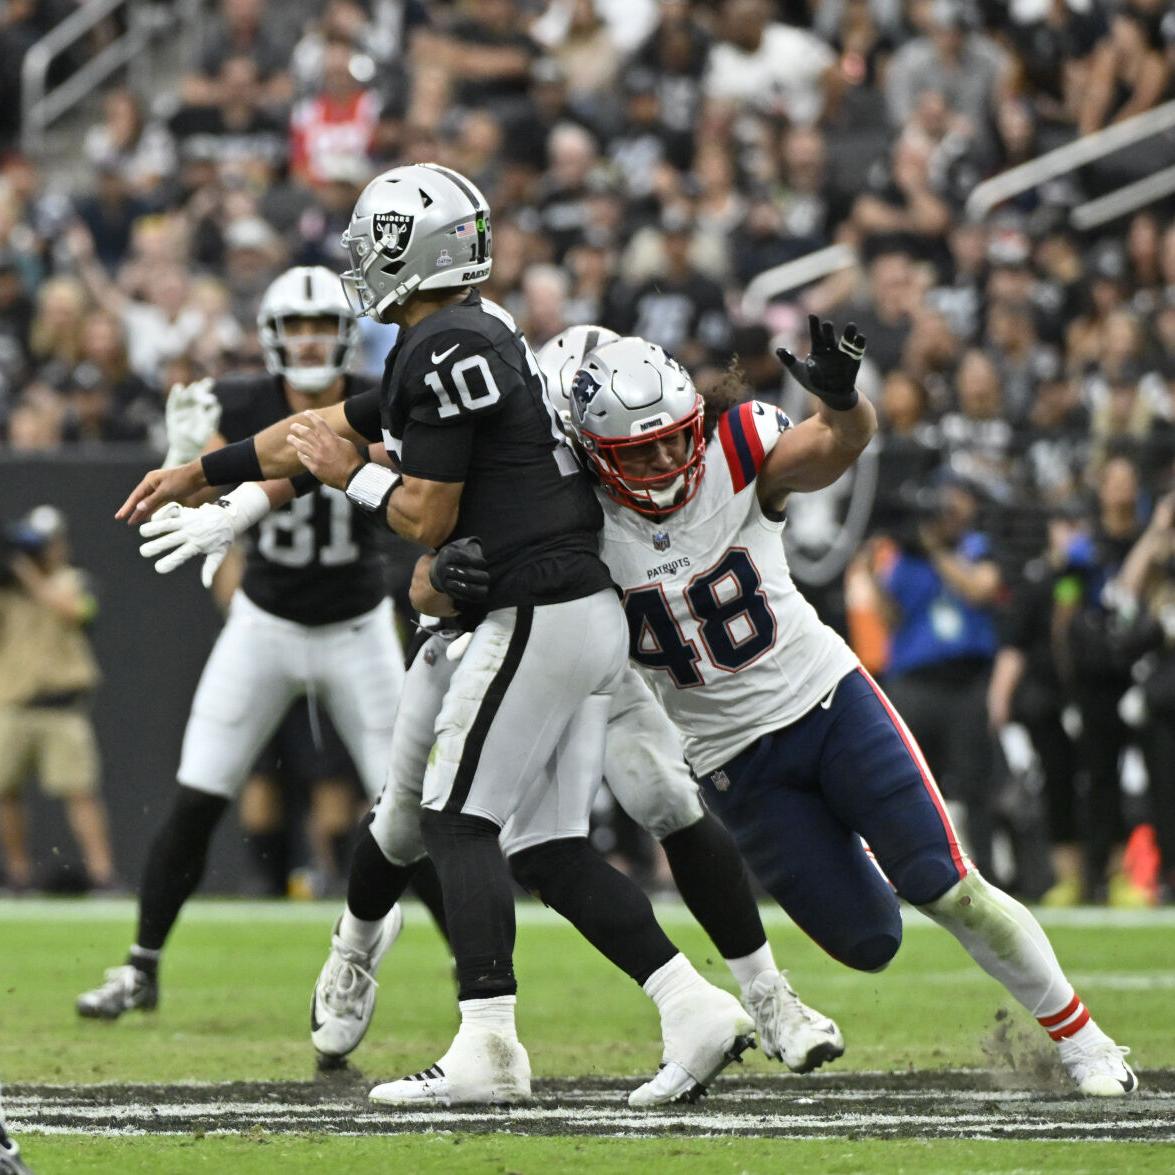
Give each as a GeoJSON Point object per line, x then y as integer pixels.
{"type": "Point", "coordinates": [583, 388]}
{"type": "Point", "coordinates": [660, 540]}
{"type": "Point", "coordinates": [392, 232]}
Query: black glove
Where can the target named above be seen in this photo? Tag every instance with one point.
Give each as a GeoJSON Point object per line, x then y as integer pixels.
{"type": "Point", "coordinates": [830, 371]}
{"type": "Point", "coordinates": [460, 570]}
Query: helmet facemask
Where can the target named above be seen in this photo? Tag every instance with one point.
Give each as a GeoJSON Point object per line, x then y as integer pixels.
{"type": "Point", "coordinates": [337, 340]}
{"type": "Point", "coordinates": [660, 494]}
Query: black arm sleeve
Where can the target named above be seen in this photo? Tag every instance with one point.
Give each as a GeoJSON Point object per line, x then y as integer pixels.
{"type": "Point", "coordinates": [362, 413]}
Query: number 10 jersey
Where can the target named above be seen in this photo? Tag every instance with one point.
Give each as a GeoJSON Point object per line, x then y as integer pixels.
{"type": "Point", "coordinates": [716, 625]}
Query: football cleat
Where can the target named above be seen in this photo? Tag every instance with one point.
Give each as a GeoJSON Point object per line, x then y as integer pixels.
{"type": "Point", "coordinates": [703, 1033]}
{"type": "Point", "coordinates": [482, 1067]}
{"type": "Point", "coordinates": [10, 1161]}
{"type": "Point", "coordinates": [126, 988]}
{"type": "Point", "coordinates": [1097, 1065]}
{"type": "Point", "coordinates": [344, 996]}
{"type": "Point", "coordinates": [789, 1031]}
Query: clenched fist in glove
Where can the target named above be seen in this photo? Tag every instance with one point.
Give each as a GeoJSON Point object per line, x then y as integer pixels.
{"type": "Point", "coordinates": [830, 370]}
{"type": "Point", "coordinates": [460, 570]}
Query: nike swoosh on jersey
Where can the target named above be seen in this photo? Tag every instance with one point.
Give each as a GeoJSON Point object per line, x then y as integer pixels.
{"type": "Point", "coordinates": [444, 354]}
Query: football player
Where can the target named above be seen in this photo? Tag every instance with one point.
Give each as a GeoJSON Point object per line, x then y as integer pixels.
{"type": "Point", "coordinates": [797, 749]}
{"type": "Point", "coordinates": [521, 728]}
{"type": "Point", "coordinates": [310, 618]}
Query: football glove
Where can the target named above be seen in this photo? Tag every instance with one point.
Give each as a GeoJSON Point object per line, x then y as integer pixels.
{"type": "Point", "coordinates": [192, 416]}
{"type": "Point", "coordinates": [460, 570]}
{"type": "Point", "coordinates": [830, 370]}
{"type": "Point", "coordinates": [179, 533]}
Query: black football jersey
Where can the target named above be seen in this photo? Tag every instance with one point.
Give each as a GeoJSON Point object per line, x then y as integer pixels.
{"type": "Point", "coordinates": [318, 559]}
{"type": "Point", "coordinates": [462, 400]}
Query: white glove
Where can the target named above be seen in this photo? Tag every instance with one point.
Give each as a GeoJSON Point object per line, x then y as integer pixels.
{"type": "Point", "coordinates": [457, 646]}
{"type": "Point", "coordinates": [192, 415]}
{"type": "Point", "coordinates": [209, 530]}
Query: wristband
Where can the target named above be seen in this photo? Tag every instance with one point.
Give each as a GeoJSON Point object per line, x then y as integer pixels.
{"type": "Point", "coordinates": [233, 464]}
{"type": "Point", "coordinates": [246, 505]}
{"type": "Point", "coordinates": [370, 487]}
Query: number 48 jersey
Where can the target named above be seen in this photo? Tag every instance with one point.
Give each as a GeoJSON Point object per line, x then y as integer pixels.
{"type": "Point", "coordinates": [716, 625]}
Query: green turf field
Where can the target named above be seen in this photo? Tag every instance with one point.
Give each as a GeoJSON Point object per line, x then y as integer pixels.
{"type": "Point", "coordinates": [236, 986]}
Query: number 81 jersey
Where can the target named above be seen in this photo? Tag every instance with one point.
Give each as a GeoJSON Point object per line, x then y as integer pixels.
{"type": "Point", "coordinates": [716, 625]}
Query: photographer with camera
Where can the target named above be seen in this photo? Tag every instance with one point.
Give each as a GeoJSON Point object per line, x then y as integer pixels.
{"type": "Point", "coordinates": [47, 675]}
{"type": "Point", "coordinates": [940, 583]}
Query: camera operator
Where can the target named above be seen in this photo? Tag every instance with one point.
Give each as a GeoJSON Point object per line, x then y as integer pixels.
{"type": "Point", "coordinates": [941, 584]}
{"type": "Point", "coordinates": [47, 675]}
{"type": "Point", "coordinates": [1146, 586]}
{"type": "Point", "coordinates": [1026, 685]}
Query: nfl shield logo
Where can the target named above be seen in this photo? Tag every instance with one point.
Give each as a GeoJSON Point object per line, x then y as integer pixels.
{"type": "Point", "coordinates": [661, 540]}
{"type": "Point", "coordinates": [392, 232]}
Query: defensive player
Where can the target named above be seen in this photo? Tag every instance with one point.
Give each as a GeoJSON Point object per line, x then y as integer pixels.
{"type": "Point", "coordinates": [520, 732]}
{"type": "Point", "coordinates": [311, 617]}
{"type": "Point", "coordinates": [797, 749]}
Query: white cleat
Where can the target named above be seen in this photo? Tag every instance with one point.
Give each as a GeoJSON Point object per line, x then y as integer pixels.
{"type": "Point", "coordinates": [789, 1031]}
{"type": "Point", "coordinates": [344, 996]}
{"type": "Point", "coordinates": [703, 1032]}
{"type": "Point", "coordinates": [1098, 1065]}
{"type": "Point", "coordinates": [482, 1067]}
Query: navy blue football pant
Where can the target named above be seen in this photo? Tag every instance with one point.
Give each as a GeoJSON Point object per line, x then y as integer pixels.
{"type": "Point", "coordinates": [799, 800]}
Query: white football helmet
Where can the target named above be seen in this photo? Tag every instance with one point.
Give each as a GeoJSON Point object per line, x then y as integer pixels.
{"type": "Point", "coordinates": [307, 291]}
{"type": "Point", "coordinates": [628, 393]}
{"type": "Point", "coordinates": [417, 227]}
{"type": "Point", "coordinates": [561, 357]}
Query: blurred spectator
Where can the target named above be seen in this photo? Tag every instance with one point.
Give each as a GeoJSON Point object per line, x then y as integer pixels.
{"type": "Point", "coordinates": [47, 677]}
{"type": "Point", "coordinates": [978, 438]}
{"type": "Point", "coordinates": [566, 188]}
{"type": "Point", "coordinates": [140, 149]}
{"type": "Point", "coordinates": [962, 66]}
{"type": "Point", "coordinates": [1129, 71]}
{"type": "Point", "coordinates": [110, 213]}
{"type": "Point", "coordinates": [544, 293]}
{"type": "Point", "coordinates": [55, 337]}
{"type": "Point", "coordinates": [339, 120]}
{"type": "Point", "coordinates": [1056, 442]}
{"type": "Point", "coordinates": [483, 59]}
{"type": "Point", "coordinates": [942, 584]}
{"type": "Point", "coordinates": [584, 46]}
{"type": "Point", "coordinates": [235, 128]}
{"type": "Point", "coordinates": [882, 314]}
{"type": "Point", "coordinates": [37, 420]}
{"type": "Point", "coordinates": [248, 29]}
{"type": "Point", "coordinates": [766, 67]}
{"type": "Point", "coordinates": [680, 308]}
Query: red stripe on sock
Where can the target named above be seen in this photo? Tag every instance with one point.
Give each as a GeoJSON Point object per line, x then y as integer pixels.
{"type": "Point", "coordinates": [920, 763]}
{"type": "Point", "coordinates": [1070, 1029]}
{"type": "Point", "coordinates": [1069, 1009]}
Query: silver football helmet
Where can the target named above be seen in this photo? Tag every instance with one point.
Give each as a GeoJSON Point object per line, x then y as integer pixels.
{"type": "Point", "coordinates": [561, 357]}
{"type": "Point", "coordinates": [417, 227]}
{"type": "Point", "coordinates": [307, 291]}
{"type": "Point", "coordinates": [629, 393]}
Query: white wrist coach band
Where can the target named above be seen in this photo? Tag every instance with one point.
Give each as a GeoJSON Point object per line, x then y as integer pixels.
{"type": "Point", "coordinates": [371, 485]}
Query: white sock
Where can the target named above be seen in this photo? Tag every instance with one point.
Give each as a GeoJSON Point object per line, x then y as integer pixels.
{"type": "Point", "coordinates": [747, 969]}
{"type": "Point", "coordinates": [358, 934]}
{"type": "Point", "coordinates": [1009, 944]}
{"type": "Point", "coordinates": [495, 1013]}
{"type": "Point", "coordinates": [671, 980]}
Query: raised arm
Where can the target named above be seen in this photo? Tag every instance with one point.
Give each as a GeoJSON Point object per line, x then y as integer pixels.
{"type": "Point", "coordinates": [815, 453]}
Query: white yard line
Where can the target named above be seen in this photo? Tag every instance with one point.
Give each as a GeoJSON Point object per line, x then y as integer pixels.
{"type": "Point", "coordinates": [669, 913]}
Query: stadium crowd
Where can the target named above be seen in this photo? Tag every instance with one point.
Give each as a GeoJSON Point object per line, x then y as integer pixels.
{"type": "Point", "coordinates": [647, 161]}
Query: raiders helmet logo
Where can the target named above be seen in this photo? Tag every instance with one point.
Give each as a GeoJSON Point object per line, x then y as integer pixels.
{"type": "Point", "coordinates": [392, 232]}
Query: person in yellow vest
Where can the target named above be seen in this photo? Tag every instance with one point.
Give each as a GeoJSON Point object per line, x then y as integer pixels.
{"type": "Point", "coordinates": [47, 676]}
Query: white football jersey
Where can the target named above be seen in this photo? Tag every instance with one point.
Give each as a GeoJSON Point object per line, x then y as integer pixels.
{"type": "Point", "coordinates": [718, 628]}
